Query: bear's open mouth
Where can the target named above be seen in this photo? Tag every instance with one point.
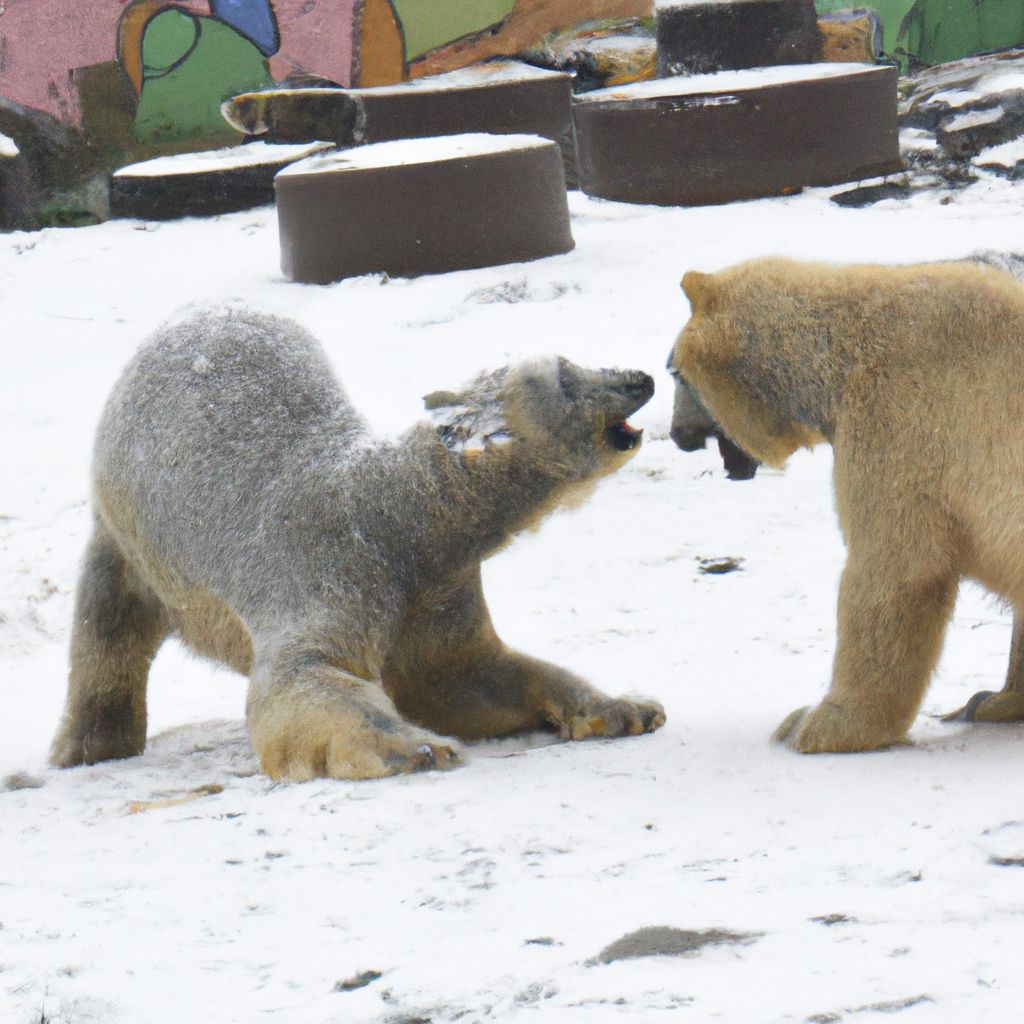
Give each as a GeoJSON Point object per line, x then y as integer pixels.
{"type": "Point", "coordinates": [622, 437]}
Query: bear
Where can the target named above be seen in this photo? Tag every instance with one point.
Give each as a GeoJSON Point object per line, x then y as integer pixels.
{"type": "Point", "coordinates": [241, 503]}
{"type": "Point", "coordinates": [692, 425]}
{"type": "Point", "coordinates": [911, 374]}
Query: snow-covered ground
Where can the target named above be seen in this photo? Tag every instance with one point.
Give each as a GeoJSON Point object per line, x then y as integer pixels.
{"type": "Point", "coordinates": [863, 886]}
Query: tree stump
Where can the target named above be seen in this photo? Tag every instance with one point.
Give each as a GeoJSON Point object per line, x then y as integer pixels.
{"type": "Point", "coordinates": [203, 184]}
{"type": "Point", "coordinates": [737, 134]}
{"type": "Point", "coordinates": [422, 206]}
{"type": "Point", "coordinates": [699, 36]}
{"type": "Point", "coordinates": [500, 98]}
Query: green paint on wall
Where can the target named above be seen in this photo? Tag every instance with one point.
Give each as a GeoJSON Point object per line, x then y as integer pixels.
{"type": "Point", "coordinates": [428, 24]}
{"type": "Point", "coordinates": [941, 30]}
{"type": "Point", "coordinates": [935, 31]}
{"type": "Point", "coordinates": [191, 65]}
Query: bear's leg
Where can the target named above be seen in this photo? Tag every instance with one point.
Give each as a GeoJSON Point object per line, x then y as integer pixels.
{"type": "Point", "coordinates": [890, 637]}
{"type": "Point", "coordinates": [1008, 704]}
{"type": "Point", "coordinates": [118, 626]}
{"type": "Point", "coordinates": [512, 692]}
{"type": "Point", "coordinates": [309, 718]}
{"type": "Point", "coordinates": [453, 674]}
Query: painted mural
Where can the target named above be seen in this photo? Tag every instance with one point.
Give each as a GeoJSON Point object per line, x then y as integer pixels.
{"type": "Point", "coordinates": [155, 71]}
{"type": "Point", "coordinates": [159, 70]}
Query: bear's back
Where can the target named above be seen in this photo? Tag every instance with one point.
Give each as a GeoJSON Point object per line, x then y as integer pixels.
{"type": "Point", "coordinates": [215, 428]}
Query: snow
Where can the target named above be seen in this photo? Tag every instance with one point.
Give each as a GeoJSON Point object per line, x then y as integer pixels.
{"type": "Point", "coordinates": [248, 154]}
{"type": "Point", "coordinates": [662, 4]}
{"type": "Point", "coordinates": [973, 119]}
{"type": "Point", "coordinates": [997, 83]}
{"type": "Point", "coordinates": [8, 147]}
{"type": "Point", "coordinates": [1006, 154]}
{"type": "Point", "coordinates": [726, 81]}
{"type": "Point", "coordinates": [879, 886]}
{"type": "Point", "coordinates": [472, 77]}
{"type": "Point", "coordinates": [916, 140]}
{"type": "Point", "coordinates": [403, 152]}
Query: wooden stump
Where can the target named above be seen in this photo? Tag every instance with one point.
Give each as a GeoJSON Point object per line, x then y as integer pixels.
{"type": "Point", "coordinates": [501, 98]}
{"type": "Point", "coordinates": [203, 184]}
{"type": "Point", "coordinates": [700, 36]}
{"type": "Point", "coordinates": [737, 134]}
{"type": "Point", "coordinates": [422, 206]}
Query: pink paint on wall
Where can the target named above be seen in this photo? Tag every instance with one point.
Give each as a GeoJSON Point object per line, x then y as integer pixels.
{"type": "Point", "coordinates": [316, 36]}
{"type": "Point", "coordinates": [42, 42]}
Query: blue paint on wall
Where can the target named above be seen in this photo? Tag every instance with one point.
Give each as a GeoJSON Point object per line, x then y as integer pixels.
{"type": "Point", "coordinates": [252, 18]}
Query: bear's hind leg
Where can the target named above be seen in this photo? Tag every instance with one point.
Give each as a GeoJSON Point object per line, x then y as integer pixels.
{"type": "Point", "coordinates": [1006, 705]}
{"type": "Point", "coordinates": [118, 626]}
{"type": "Point", "coordinates": [889, 639]}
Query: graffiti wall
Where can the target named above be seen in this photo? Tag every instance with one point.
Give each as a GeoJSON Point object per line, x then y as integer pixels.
{"type": "Point", "coordinates": [156, 71]}
{"type": "Point", "coordinates": [161, 69]}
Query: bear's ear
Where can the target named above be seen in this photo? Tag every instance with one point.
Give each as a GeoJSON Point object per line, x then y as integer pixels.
{"type": "Point", "coordinates": [696, 286]}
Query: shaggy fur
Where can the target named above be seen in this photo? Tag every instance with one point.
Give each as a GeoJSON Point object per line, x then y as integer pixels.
{"type": "Point", "coordinates": [241, 504]}
{"type": "Point", "coordinates": [913, 375]}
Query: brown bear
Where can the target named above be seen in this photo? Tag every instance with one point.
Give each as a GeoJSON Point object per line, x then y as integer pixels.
{"type": "Point", "coordinates": [241, 503]}
{"type": "Point", "coordinates": [912, 373]}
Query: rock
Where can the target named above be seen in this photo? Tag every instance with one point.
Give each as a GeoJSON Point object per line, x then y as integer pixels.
{"type": "Point", "coordinates": [19, 201]}
{"type": "Point", "coordinates": [697, 37]}
{"type": "Point", "coordinates": [958, 122]}
{"type": "Point", "coordinates": [53, 177]}
{"type": "Point", "coordinates": [865, 195]}
{"type": "Point", "coordinates": [663, 941]}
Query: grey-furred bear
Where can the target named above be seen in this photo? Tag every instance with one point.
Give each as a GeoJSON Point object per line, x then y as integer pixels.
{"type": "Point", "coordinates": [241, 503]}
{"type": "Point", "coordinates": [912, 374]}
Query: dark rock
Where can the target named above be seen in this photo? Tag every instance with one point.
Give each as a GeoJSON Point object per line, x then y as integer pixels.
{"type": "Point", "coordinates": [358, 981]}
{"type": "Point", "coordinates": [931, 95]}
{"type": "Point", "coordinates": [999, 118]}
{"type": "Point", "coordinates": [19, 199]}
{"type": "Point", "coordinates": [694, 38]}
{"type": "Point", "coordinates": [865, 195]}
{"type": "Point", "coordinates": [829, 920]}
{"type": "Point", "coordinates": [719, 566]}
{"type": "Point", "coordinates": [958, 122]}
{"type": "Point", "coordinates": [54, 177]}
{"type": "Point", "coordinates": [663, 941]}
{"type": "Point", "coordinates": [55, 154]}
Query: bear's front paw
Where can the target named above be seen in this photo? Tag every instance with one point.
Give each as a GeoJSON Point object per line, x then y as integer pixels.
{"type": "Point", "coordinates": [344, 757]}
{"type": "Point", "coordinates": [614, 718]}
{"type": "Point", "coordinates": [298, 738]}
{"type": "Point", "coordinates": [830, 729]}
